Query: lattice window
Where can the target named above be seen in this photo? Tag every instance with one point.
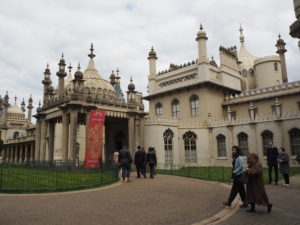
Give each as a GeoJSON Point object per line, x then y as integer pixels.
{"type": "Point", "coordinates": [194, 102]}
{"type": "Point", "coordinates": [190, 149]}
{"type": "Point", "coordinates": [175, 108]}
{"type": "Point", "coordinates": [295, 141]}
{"type": "Point", "coordinates": [221, 140]}
{"type": "Point", "coordinates": [158, 109]}
{"type": "Point", "coordinates": [243, 143]}
{"type": "Point", "coordinates": [168, 146]}
{"type": "Point", "coordinates": [267, 137]}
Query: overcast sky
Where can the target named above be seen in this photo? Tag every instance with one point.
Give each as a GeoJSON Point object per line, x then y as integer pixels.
{"type": "Point", "coordinates": [34, 32]}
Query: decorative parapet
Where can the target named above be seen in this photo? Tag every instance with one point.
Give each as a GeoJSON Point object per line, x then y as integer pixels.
{"type": "Point", "coordinates": [260, 91]}
{"type": "Point", "coordinates": [176, 67]}
{"type": "Point", "coordinates": [20, 139]}
{"type": "Point", "coordinates": [266, 59]}
{"type": "Point", "coordinates": [161, 121]}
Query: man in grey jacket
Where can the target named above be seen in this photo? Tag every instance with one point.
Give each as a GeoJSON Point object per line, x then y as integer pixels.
{"type": "Point", "coordinates": [237, 185]}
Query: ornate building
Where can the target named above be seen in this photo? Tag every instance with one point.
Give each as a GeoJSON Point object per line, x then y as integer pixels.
{"type": "Point", "coordinates": [199, 110]}
{"type": "Point", "coordinates": [61, 121]}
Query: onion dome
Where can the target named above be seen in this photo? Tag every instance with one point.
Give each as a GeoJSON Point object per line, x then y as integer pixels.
{"type": "Point", "coordinates": [280, 45]}
{"type": "Point", "coordinates": [14, 109]}
{"type": "Point", "coordinates": [50, 89]}
{"type": "Point", "coordinates": [112, 78]}
{"type": "Point", "coordinates": [201, 34]}
{"type": "Point", "coordinates": [152, 54]}
{"type": "Point", "coordinates": [78, 74]}
{"type": "Point", "coordinates": [131, 86]}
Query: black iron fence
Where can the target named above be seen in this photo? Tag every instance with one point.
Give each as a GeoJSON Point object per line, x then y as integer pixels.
{"type": "Point", "coordinates": [53, 176]}
{"type": "Point", "coordinates": [222, 174]}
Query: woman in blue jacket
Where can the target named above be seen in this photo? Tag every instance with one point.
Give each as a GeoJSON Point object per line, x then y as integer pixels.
{"type": "Point", "coordinates": [237, 185]}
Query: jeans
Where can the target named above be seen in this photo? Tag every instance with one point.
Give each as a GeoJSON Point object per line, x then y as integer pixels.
{"type": "Point", "coordinates": [271, 165]}
{"type": "Point", "coordinates": [125, 170]}
{"type": "Point", "coordinates": [237, 187]}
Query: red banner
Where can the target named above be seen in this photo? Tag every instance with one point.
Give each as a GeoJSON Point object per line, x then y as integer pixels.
{"type": "Point", "coordinates": [93, 152]}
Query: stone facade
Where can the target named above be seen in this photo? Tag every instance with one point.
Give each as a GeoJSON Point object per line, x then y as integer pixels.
{"type": "Point", "coordinates": [208, 108]}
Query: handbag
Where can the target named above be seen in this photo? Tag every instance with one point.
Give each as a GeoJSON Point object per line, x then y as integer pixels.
{"type": "Point", "coordinates": [244, 178]}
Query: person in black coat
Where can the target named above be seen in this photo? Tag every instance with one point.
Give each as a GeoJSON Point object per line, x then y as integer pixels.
{"type": "Point", "coordinates": [139, 162]}
{"type": "Point", "coordinates": [283, 160]}
{"type": "Point", "coordinates": [151, 160]}
{"type": "Point", "coordinates": [272, 156]}
{"type": "Point", "coordinates": [125, 161]}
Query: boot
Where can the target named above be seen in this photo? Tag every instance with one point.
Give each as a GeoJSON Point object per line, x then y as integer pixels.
{"type": "Point", "coordinates": [269, 208]}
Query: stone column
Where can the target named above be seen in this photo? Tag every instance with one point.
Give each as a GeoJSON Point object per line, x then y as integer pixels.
{"type": "Point", "coordinates": [17, 156]}
{"type": "Point", "coordinates": [32, 153]}
{"type": "Point", "coordinates": [51, 141]}
{"type": "Point", "coordinates": [43, 140]}
{"type": "Point", "coordinates": [73, 133]}
{"type": "Point", "coordinates": [137, 134]}
{"type": "Point", "coordinates": [141, 132]}
{"type": "Point", "coordinates": [9, 153]}
{"type": "Point", "coordinates": [65, 135]}
{"type": "Point", "coordinates": [26, 152]}
{"type": "Point", "coordinates": [4, 153]}
{"type": "Point", "coordinates": [131, 134]}
{"type": "Point", "coordinates": [37, 141]}
{"type": "Point", "coordinates": [13, 155]}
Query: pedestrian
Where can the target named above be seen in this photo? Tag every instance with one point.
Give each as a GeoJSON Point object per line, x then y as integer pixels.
{"type": "Point", "coordinates": [154, 170]}
{"type": "Point", "coordinates": [139, 162]}
{"type": "Point", "coordinates": [256, 192]}
{"type": "Point", "coordinates": [283, 160]}
{"type": "Point", "coordinates": [237, 185]}
{"type": "Point", "coordinates": [272, 156]}
{"type": "Point", "coordinates": [125, 161]}
{"type": "Point", "coordinates": [117, 164]}
{"type": "Point", "coordinates": [151, 160]}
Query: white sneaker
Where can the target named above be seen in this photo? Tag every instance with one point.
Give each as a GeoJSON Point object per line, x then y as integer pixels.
{"type": "Point", "coordinates": [284, 184]}
{"type": "Point", "coordinates": [287, 185]}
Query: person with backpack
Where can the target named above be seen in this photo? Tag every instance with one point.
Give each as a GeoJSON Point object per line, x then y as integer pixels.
{"type": "Point", "coordinates": [151, 159]}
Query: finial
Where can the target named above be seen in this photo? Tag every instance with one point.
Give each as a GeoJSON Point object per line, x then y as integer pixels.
{"type": "Point", "coordinates": [62, 55]}
{"type": "Point", "coordinates": [279, 36]}
{"type": "Point", "coordinates": [78, 67]}
{"type": "Point", "coordinates": [16, 98]}
{"type": "Point", "coordinates": [70, 67]}
{"type": "Point", "coordinates": [118, 71]}
{"type": "Point", "coordinates": [152, 49]}
{"type": "Point", "coordinates": [130, 79]}
{"type": "Point", "coordinates": [242, 38]}
{"type": "Point", "coordinates": [47, 65]}
{"type": "Point", "coordinates": [212, 58]}
{"type": "Point", "coordinates": [92, 55]}
{"type": "Point", "coordinates": [201, 28]}
{"type": "Point", "coordinates": [39, 103]}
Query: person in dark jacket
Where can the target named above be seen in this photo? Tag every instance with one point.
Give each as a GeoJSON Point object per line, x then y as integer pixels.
{"type": "Point", "coordinates": [283, 160]}
{"type": "Point", "coordinates": [272, 156]}
{"type": "Point", "coordinates": [151, 160]}
{"type": "Point", "coordinates": [256, 192]}
{"type": "Point", "coordinates": [125, 161]}
{"type": "Point", "coordinates": [237, 185]}
{"type": "Point", "coordinates": [139, 162]}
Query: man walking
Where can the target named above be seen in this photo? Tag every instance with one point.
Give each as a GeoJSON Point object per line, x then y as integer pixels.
{"type": "Point", "coordinates": [151, 159]}
{"type": "Point", "coordinates": [125, 160]}
{"type": "Point", "coordinates": [272, 156]}
{"type": "Point", "coordinates": [139, 162]}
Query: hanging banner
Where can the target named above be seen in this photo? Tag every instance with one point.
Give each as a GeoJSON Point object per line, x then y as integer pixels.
{"type": "Point", "coordinates": [93, 152]}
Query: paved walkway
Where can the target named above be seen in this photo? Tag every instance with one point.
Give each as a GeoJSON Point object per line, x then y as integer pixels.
{"type": "Point", "coordinates": [165, 200]}
{"type": "Point", "coordinates": [286, 207]}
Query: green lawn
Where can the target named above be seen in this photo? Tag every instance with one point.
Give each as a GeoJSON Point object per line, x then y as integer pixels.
{"type": "Point", "coordinates": [22, 179]}
{"type": "Point", "coordinates": [222, 174]}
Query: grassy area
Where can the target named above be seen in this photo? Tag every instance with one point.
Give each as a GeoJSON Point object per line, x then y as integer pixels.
{"type": "Point", "coordinates": [222, 174]}
{"type": "Point", "coordinates": [22, 179]}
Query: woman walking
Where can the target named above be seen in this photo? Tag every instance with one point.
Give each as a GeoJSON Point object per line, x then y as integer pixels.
{"type": "Point", "coordinates": [237, 185]}
{"type": "Point", "coordinates": [283, 160]}
{"type": "Point", "coordinates": [256, 192]}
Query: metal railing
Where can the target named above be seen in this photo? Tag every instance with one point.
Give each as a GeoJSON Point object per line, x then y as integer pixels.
{"type": "Point", "coordinates": [221, 174]}
{"type": "Point", "coordinates": [53, 176]}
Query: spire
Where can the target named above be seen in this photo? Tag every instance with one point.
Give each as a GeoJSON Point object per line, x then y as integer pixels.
{"type": "Point", "coordinates": [16, 98]}
{"type": "Point", "coordinates": [242, 37]}
{"type": "Point", "coordinates": [201, 28]}
{"type": "Point", "coordinates": [70, 68]}
{"type": "Point", "coordinates": [92, 55]}
{"type": "Point", "coordinates": [23, 105]}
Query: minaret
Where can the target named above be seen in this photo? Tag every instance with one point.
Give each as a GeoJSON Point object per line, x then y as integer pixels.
{"type": "Point", "coordinates": [5, 104]}
{"type": "Point", "coordinates": [29, 107]}
{"type": "Point", "coordinates": [78, 80]}
{"type": "Point", "coordinates": [112, 78]}
{"type": "Point", "coordinates": [131, 91]}
{"type": "Point", "coordinates": [46, 82]}
{"type": "Point", "coordinates": [202, 49]}
{"type": "Point", "coordinates": [152, 69]}
{"type": "Point", "coordinates": [61, 76]}
{"type": "Point", "coordinates": [281, 51]}
{"type": "Point", "coordinates": [23, 105]}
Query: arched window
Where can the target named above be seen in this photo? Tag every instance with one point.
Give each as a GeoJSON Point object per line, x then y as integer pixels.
{"type": "Point", "coordinates": [175, 108]}
{"type": "Point", "coordinates": [158, 109]}
{"type": "Point", "coordinates": [190, 150]}
{"type": "Point", "coordinates": [16, 135]}
{"type": "Point", "coordinates": [244, 72]}
{"type": "Point", "coordinates": [276, 66]}
{"type": "Point", "coordinates": [267, 137]}
{"type": "Point", "coordinates": [194, 102]}
{"type": "Point", "coordinates": [295, 141]}
{"type": "Point", "coordinates": [221, 145]}
{"type": "Point", "coordinates": [168, 146]}
{"type": "Point", "coordinates": [243, 143]}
